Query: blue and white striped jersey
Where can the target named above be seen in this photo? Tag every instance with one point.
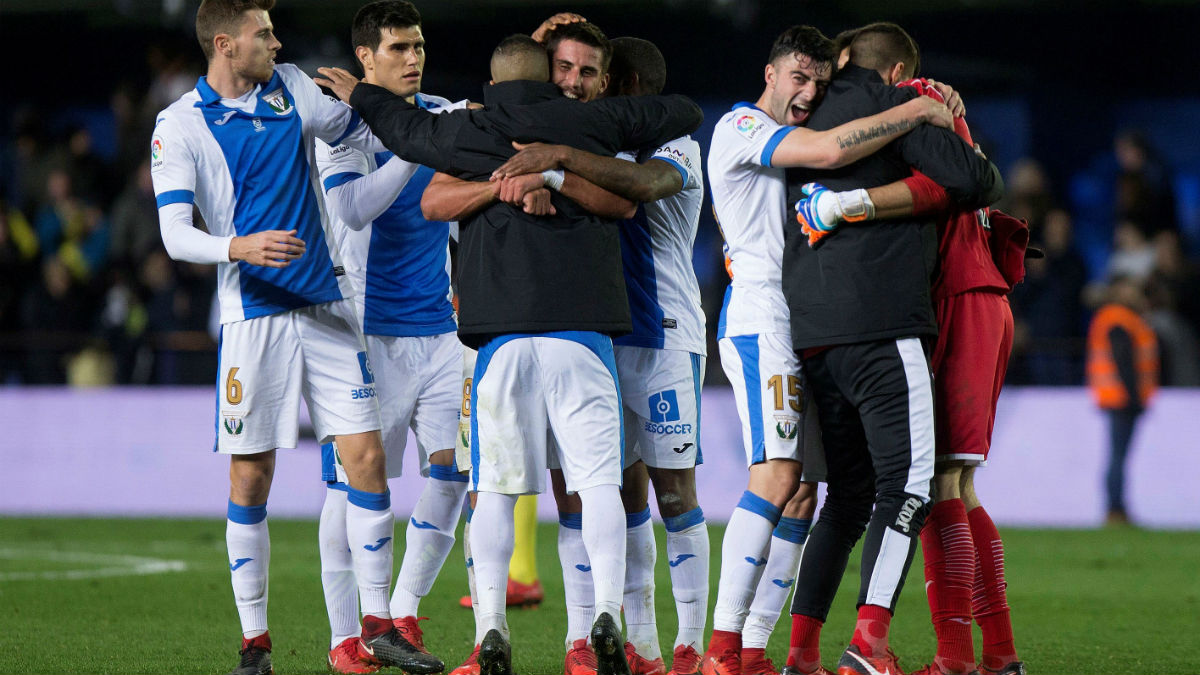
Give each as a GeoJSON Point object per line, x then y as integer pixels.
{"type": "Point", "coordinates": [398, 262]}
{"type": "Point", "coordinates": [656, 253]}
{"type": "Point", "coordinates": [249, 165]}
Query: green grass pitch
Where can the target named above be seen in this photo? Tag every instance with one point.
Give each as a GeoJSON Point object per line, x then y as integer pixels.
{"type": "Point", "coordinates": [1110, 601]}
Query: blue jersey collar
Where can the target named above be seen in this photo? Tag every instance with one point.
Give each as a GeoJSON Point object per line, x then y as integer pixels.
{"type": "Point", "coordinates": [209, 96]}
{"type": "Point", "coordinates": [747, 104]}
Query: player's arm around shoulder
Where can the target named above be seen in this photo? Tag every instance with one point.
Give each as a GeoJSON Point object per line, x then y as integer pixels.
{"type": "Point", "coordinates": [847, 143]}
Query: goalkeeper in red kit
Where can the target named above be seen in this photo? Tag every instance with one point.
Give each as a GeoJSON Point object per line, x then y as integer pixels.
{"type": "Point", "coordinates": [980, 258]}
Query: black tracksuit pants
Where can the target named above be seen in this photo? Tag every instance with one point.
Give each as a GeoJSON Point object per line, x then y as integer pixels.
{"type": "Point", "coordinates": [875, 404]}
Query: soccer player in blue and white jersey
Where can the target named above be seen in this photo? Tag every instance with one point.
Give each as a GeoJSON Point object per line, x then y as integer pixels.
{"type": "Point", "coordinates": [659, 366]}
{"type": "Point", "coordinates": [751, 147]}
{"type": "Point", "coordinates": [399, 264]}
{"type": "Point", "coordinates": [240, 146]}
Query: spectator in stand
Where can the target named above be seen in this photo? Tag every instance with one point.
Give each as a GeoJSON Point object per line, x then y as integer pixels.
{"type": "Point", "coordinates": [1029, 196]}
{"type": "Point", "coordinates": [1179, 358]}
{"type": "Point", "coordinates": [74, 231]}
{"type": "Point", "coordinates": [29, 162]}
{"type": "Point", "coordinates": [1180, 275]}
{"type": "Point", "coordinates": [1143, 188]}
{"type": "Point", "coordinates": [52, 308]}
{"type": "Point", "coordinates": [91, 177]}
{"type": "Point", "coordinates": [135, 220]}
{"type": "Point", "coordinates": [1123, 373]}
{"type": "Point", "coordinates": [18, 259]}
{"type": "Point", "coordinates": [1132, 254]}
{"type": "Point", "coordinates": [1048, 308]}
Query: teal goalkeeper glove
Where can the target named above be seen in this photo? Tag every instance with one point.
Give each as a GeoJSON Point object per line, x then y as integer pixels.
{"type": "Point", "coordinates": [821, 211]}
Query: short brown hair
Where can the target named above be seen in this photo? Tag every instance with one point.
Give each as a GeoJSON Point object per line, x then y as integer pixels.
{"type": "Point", "coordinates": [583, 32]}
{"type": "Point", "coordinates": [223, 16]}
{"type": "Point", "coordinates": [880, 46]}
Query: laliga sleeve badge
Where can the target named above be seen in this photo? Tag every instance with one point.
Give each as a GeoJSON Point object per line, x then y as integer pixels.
{"type": "Point", "coordinates": [156, 153]}
{"type": "Point", "coordinates": [749, 126]}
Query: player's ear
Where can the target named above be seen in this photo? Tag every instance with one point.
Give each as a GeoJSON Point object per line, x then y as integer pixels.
{"type": "Point", "coordinates": [223, 45]}
{"type": "Point", "coordinates": [604, 82]}
{"type": "Point", "coordinates": [365, 57]}
{"type": "Point", "coordinates": [769, 74]}
{"type": "Point", "coordinates": [897, 72]}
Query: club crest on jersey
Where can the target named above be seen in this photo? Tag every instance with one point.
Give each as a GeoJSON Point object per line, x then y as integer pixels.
{"type": "Point", "coordinates": [749, 126]}
{"type": "Point", "coordinates": [278, 101]}
{"type": "Point", "coordinates": [787, 427]}
{"type": "Point", "coordinates": [233, 425]}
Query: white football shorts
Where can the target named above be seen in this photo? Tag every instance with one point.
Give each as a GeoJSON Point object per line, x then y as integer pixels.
{"type": "Point", "coordinates": [660, 389]}
{"type": "Point", "coordinates": [419, 385]}
{"type": "Point", "coordinates": [267, 364]}
{"type": "Point", "coordinates": [779, 418]}
{"type": "Point", "coordinates": [524, 385]}
{"type": "Point", "coordinates": [462, 441]}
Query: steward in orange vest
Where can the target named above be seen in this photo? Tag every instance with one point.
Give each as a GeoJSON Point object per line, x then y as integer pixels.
{"type": "Point", "coordinates": [1122, 361]}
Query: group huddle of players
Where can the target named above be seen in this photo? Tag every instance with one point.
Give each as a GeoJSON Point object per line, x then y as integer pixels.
{"type": "Point", "coordinates": [862, 260]}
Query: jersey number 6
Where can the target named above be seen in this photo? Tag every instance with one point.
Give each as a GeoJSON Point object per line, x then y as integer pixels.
{"type": "Point", "coordinates": [233, 388]}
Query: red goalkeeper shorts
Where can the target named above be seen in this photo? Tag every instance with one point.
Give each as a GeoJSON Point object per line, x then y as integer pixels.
{"type": "Point", "coordinates": [975, 336]}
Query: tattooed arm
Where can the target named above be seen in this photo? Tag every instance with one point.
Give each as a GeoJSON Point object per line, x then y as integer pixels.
{"type": "Point", "coordinates": [854, 140]}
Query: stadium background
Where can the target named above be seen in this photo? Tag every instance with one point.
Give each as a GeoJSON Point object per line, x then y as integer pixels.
{"type": "Point", "coordinates": [1050, 85]}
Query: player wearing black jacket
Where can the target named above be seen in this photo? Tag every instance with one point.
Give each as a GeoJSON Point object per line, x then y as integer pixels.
{"type": "Point", "coordinates": [518, 272]}
{"type": "Point", "coordinates": [861, 319]}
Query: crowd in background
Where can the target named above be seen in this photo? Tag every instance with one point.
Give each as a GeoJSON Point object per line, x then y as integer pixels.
{"type": "Point", "coordinates": [88, 295]}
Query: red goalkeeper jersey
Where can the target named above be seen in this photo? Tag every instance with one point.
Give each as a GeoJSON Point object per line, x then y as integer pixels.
{"type": "Point", "coordinates": [964, 255]}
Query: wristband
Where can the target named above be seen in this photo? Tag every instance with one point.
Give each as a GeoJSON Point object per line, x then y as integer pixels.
{"type": "Point", "coordinates": [855, 206]}
{"type": "Point", "coordinates": [553, 178]}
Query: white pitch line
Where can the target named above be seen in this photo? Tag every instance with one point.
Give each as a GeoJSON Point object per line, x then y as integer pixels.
{"type": "Point", "coordinates": [113, 565]}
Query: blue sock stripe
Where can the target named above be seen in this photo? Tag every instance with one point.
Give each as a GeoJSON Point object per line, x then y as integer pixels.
{"type": "Point", "coordinates": [573, 521]}
{"type": "Point", "coordinates": [794, 530]}
{"type": "Point", "coordinates": [632, 520]}
{"type": "Point", "coordinates": [470, 512]}
{"type": "Point", "coordinates": [755, 504]}
{"type": "Point", "coordinates": [446, 473]}
{"type": "Point", "coordinates": [375, 501]}
{"type": "Point", "coordinates": [247, 515]}
{"type": "Point", "coordinates": [684, 520]}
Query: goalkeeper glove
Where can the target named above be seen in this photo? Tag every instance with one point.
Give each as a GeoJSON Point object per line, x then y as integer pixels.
{"type": "Point", "coordinates": [821, 211]}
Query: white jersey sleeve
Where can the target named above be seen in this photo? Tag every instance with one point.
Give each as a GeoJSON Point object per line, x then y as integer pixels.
{"type": "Point", "coordinates": [354, 194]}
{"type": "Point", "coordinates": [749, 197]}
{"type": "Point", "coordinates": [173, 171]}
{"type": "Point", "coordinates": [656, 249]}
{"type": "Point", "coordinates": [684, 155]}
{"type": "Point", "coordinates": [752, 136]}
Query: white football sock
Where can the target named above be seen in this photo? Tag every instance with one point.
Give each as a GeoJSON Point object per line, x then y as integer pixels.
{"type": "Point", "coordinates": [578, 593]}
{"type": "Point", "coordinates": [428, 539]}
{"type": "Point", "coordinates": [370, 531]}
{"type": "Point", "coordinates": [249, 547]}
{"type": "Point", "coordinates": [743, 557]}
{"type": "Point", "coordinates": [470, 562]}
{"type": "Point", "coordinates": [688, 560]}
{"type": "Point", "coordinates": [491, 549]}
{"type": "Point", "coordinates": [604, 538]}
{"type": "Point", "coordinates": [640, 553]}
{"type": "Point", "coordinates": [337, 569]}
{"type": "Point", "coordinates": [776, 583]}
